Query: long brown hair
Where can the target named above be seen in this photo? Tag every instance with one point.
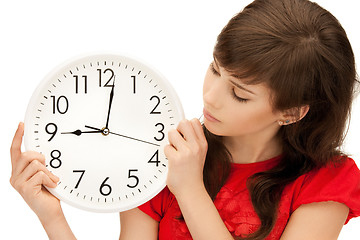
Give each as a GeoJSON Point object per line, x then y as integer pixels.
{"type": "Point", "coordinates": [303, 55]}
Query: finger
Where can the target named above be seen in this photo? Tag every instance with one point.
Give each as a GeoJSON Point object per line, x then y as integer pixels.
{"type": "Point", "coordinates": [186, 129]}
{"type": "Point", "coordinates": [15, 150]}
{"type": "Point", "coordinates": [175, 139]}
{"type": "Point", "coordinates": [25, 159]}
{"type": "Point", "coordinates": [170, 152]}
{"type": "Point", "coordinates": [198, 129]}
{"type": "Point", "coordinates": [40, 178]}
{"type": "Point", "coordinates": [33, 168]}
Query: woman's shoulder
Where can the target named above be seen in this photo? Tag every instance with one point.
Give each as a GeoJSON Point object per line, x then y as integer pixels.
{"type": "Point", "coordinates": [338, 181]}
{"type": "Point", "coordinates": [340, 171]}
{"type": "Point", "coordinates": [339, 163]}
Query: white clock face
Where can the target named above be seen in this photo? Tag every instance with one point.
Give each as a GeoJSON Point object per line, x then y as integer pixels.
{"type": "Point", "coordinates": [102, 121]}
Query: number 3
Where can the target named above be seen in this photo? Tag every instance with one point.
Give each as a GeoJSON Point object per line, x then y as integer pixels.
{"type": "Point", "coordinates": [160, 131]}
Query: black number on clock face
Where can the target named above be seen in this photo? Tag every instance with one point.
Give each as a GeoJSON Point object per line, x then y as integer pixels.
{"type": "Point", "coordinates": [81, 176]}
{"type": "Point", "coordinates": [136, 179]}
{"type": "Point", "coordinates": [106, 75]}
{"type": "Point", "coordinates": [134, 83]}
{"type": "Point", "coordinates": [155, 158]}
{"type": "Point", "coordinates": [161, 131]}
{"type": "Point", "coordinates": [61, 105]}
{"type": "Point", "coordinates": [84, 77]}
{"type": "Point", "coordinates": [157, 100]}
{"type": "Point", "coordinates": [105, 189]}
{"type": "Point", "coordinates": [55, 161]}
{"type": "Point", "coordinates": [51, 129]}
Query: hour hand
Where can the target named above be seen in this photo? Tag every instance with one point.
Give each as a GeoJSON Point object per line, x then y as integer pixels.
{"type": "Point", "coordinates": [79, 132]}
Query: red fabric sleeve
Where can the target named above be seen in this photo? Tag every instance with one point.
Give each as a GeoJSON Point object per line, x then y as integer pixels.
{"type": "Point", "coordinates": [158, 205]}
{"type": "Point", "coordinates": [339, 183]}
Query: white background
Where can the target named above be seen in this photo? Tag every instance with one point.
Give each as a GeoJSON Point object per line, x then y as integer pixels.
{"type": "Point", "coordinates": [175, 37]}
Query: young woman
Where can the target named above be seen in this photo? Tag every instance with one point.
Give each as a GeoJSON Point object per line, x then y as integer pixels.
{"type": "Point", "coordinates": [266, 163]}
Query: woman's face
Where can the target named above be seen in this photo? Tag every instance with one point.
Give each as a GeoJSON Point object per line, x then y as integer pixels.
{"type": "Point", "coordinates": [232, 108]}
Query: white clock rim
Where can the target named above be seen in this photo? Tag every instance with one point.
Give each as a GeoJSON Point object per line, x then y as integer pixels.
{"type": "Point", "coordinates": [44, 82]}
{"type": "Point", "coordinates": [89, 208]}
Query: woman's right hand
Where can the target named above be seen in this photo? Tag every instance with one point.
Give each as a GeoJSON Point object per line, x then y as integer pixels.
{"type": "Point", "coordinates": [29, 174]}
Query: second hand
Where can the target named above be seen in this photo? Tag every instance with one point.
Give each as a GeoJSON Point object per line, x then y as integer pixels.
{"type": "Point", "coordinates": [139, 140]}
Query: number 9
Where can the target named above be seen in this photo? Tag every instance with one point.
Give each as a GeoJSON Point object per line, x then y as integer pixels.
{"type": "Point", "coordinates": [53, 132]}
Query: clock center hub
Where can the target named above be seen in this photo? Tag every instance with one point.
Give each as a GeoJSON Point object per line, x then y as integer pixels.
{"type": "Point", "coordinates": [105, 131]}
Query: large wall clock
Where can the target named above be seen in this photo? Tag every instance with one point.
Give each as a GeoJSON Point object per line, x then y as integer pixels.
{"type": "Point", "coordinates": [101, 121]}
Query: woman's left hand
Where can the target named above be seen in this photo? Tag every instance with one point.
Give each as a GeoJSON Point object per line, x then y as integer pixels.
{"type": "Point", "coordinates": [186, 157]}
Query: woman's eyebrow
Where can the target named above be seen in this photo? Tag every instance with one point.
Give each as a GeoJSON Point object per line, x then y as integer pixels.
{"type": "Point", "coordinates": [241, 87]}
{"type": "Point", "coordinates": [235, 83]}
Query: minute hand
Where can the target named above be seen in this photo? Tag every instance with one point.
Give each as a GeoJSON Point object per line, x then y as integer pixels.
{"type": "Point", "coordinates": [117, 134]}
{"type": "Point", "coordinates": [110, 103]}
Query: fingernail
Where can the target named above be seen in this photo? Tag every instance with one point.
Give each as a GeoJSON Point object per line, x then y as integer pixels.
{"type": "Point", "coordinates": [56, 178]}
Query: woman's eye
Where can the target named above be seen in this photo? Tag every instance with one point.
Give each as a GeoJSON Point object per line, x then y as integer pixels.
{"type": "Point", "coordinates": [237, 98]}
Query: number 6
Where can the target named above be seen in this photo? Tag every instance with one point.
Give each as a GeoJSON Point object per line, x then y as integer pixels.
{"type": "Point", "coordinates": [105, 185]}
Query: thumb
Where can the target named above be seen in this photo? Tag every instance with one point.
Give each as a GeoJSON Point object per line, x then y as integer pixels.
{"type": "Point", "coordinates": [15, 150]}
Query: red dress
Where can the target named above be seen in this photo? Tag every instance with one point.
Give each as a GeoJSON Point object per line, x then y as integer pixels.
{"type": "Point", "coordinates": [340, 184]}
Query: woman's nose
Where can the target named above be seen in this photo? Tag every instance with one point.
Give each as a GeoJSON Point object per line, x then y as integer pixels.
{"type": "Point", "coordinates": [212, 94]}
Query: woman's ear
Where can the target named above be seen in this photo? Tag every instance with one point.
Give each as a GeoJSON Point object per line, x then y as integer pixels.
{"type": "Point", "coordinates": [293, 115]}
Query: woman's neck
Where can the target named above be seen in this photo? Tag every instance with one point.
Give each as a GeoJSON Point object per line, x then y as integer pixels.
{"type": "Point", "coordinates": [250, 149]}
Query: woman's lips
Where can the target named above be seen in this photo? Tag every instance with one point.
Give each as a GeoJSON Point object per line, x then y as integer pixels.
{"type": "Point", "coordinates": [209, 117]}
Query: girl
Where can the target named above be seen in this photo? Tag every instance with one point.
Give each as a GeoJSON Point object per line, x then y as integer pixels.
{"type": "Point", "coordinates": [266, 164]}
